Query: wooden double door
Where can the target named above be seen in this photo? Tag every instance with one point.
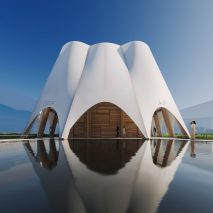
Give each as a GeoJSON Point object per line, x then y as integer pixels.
{"type": "Point", "coordinates": [104, 120]}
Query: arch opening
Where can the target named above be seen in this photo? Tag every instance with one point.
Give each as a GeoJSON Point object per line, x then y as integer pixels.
{"type": "Point", "coordinates": [45, 123]}
{"type": "Point", "coordinates": [105, 120]}
{"type": "Point", "coordinates": [165, 124]}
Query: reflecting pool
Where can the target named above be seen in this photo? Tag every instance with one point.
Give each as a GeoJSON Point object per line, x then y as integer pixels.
{"type": "Point", "coordinates": [106, 175]}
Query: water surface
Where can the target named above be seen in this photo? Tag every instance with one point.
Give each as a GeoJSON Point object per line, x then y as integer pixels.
{"type": "Point", "coordinates": [106, 176]}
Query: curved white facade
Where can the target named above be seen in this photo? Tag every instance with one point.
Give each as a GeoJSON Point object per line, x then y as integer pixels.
{"type": "Point", "coordinates": [125, 75]}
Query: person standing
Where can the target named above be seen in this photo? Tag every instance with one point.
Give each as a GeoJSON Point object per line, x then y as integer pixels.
{"type": "Point", "coordinates": [117, 131]}
{"type": "Point", "coordinates": [124, 131]}
{"type": "Point", "coordinates": [193, 125]}
{"type": "Point", "coordinates": [154, 131]}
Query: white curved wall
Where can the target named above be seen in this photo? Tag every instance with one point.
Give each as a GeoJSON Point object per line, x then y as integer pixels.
{"type": "Point", "coordinates": [63, 80]}
{"type": "Point", "coordinates": [126, 76]}
{"type": "Point", "coordinates": [150, 88]}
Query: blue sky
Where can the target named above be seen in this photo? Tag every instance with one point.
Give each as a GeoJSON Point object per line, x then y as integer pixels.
{"type": "Point", "coordinates": [179, 32]}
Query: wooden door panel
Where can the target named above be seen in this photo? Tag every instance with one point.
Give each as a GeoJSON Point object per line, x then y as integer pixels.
{"type": "Point", "coordinates": [102, 121]}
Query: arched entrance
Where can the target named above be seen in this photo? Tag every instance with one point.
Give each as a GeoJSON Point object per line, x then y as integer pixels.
{"type": "Point", "coordinates": [104, 120]}
{"type": "Point", "coordinates": [46, 121]}
{"type": "Point", "coordinates": [164, 124]}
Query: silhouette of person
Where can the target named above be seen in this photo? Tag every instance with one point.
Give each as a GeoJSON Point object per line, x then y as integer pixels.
{"type": "Point", "coordinates": [154, 131]}
{"type": "Point", "coordinates": [50, 131]}
{"type": "Point", "coordinates": [117, 131]}
{"type": "Point", "coordinates": [193, 125]}
{"type": "Point", "coordinates": [124, 131]}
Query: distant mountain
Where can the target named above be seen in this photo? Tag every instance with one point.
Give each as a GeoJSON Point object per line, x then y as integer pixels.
{"type": "Point", "coordinates": [12, 120]}
{"type": "Point", "coordinates": [202, 114]}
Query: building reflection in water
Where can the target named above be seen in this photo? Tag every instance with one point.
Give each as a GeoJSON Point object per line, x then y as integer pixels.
{"type": "Point", "coordinates": [105, 156]}
{"type": "Point", "coordinates": [108, 175]}
{"type": "Point", "coordinates": [46, 153]}
{"type": "Point", "coordinates": [164, 152]}
{"type": "Point", "coordinates": [193, 152]}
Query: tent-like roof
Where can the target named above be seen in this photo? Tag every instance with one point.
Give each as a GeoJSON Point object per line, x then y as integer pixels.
{"type": "Point", "coordinates": [127, 76]}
